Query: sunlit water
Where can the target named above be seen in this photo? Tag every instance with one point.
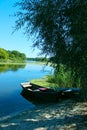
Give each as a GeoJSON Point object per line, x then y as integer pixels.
{"type": "Point", "coordinates": [11, 76]}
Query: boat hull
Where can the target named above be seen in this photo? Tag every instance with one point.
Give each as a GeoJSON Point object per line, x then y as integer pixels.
{"type": "Point", "coordinates": [47, 94]}
{"type": "Point", "coordinates": [39, 93]}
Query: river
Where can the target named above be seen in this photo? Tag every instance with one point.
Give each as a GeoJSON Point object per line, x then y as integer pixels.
{"type": "Point", "coordinates": [11, 76]}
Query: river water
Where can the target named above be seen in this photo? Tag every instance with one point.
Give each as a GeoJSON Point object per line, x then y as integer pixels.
{"type": "Point", "coordinates": [11, 76]}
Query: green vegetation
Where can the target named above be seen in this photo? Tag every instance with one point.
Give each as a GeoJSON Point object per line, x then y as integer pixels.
{"type": "Point", "coordinates": [11, 56]}
{"type": "Point", "coordinates": [64, 78]}
{"type": "Point", "coordinates": [40, 59]}
{"type": "Point", "coordinates": [60, 31]}
{"type": "Point", "coordinates": [3, 55]}
{"type": "Point", "coordinates": [45, 82]}
{"type": "Point", "coordinates": [60, 79]}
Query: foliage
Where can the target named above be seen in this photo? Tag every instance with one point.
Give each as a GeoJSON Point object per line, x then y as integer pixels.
{"type": "Point", "coordinates": [12, 56]}
{"type": "Point", "coordinates": [3, 54]}
{"type": "Point", "coordinates": [16, 56]}
{"type": "Point", "coordinates": [60, 29]}
{"type": "Point", "coordinates": [63, 78]}
{"type": "Point", "coordinates": [42, 59]}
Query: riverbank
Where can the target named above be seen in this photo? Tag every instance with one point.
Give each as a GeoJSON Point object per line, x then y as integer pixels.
{"type": "Point", "coordinates": [26, 62]}
{"type": "Point", "coordinates": [13, 63]}
{"type": "Point", "coordinates": [64, 115]}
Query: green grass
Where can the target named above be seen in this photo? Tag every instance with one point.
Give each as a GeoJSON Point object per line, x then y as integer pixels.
{"type": "Point", "coordinates": [44, 82]}
{"type": "Point", "coordinates": [9, 63]}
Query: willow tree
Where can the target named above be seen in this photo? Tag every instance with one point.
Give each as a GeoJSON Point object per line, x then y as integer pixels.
{"type": "Point", "coordinates": [59, 28]}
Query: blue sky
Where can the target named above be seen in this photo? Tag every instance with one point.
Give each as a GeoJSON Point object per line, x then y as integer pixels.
{"type": "Point", "coordinates": [16, 41]}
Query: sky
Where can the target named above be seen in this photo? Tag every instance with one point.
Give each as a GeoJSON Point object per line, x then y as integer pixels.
{"type": "Point", "coordinates": [16, 41]}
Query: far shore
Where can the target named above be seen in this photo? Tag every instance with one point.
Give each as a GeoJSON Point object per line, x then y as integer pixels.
{"type": "Point", "coordinates": [12, 63]}
{"type": "Point", "coordinates": [19, 63]}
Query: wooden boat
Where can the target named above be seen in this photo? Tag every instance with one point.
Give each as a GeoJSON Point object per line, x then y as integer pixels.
{"type": "Point", "coordinates": [40, 93]}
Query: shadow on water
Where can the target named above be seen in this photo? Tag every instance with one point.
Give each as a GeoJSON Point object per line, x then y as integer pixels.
{"type": "Point", "coordinates": [12, 67]}
{"type": "Point", "coordinates": [49, 95]}
{"type": "Point", "coordinates": [40, 101]}
{"type": "Point", "coordinates": [34, 100]}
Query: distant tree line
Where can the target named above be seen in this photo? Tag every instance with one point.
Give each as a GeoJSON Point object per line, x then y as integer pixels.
{"type": "Point", "coordinates": [11, 56]}
{"type": "Point", "coordinates": [41, 59]}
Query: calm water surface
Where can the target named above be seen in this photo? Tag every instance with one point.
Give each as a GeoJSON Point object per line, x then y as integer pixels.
{"type": "Point", "coordinates": [11, 76]}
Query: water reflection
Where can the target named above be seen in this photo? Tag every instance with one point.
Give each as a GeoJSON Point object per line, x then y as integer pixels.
{"type": "Point", "coordinates": [12, 67]}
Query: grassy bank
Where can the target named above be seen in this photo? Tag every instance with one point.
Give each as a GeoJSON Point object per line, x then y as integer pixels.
{"type": "Point", "coordinates": [45, 82]}
{"type": "Point", "coordinates": [24, 62]}
{"type": "Point", "coordinates": [11, 63]}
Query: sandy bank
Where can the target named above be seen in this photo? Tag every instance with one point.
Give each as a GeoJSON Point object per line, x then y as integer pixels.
{"type": "Point", "coordinates": [66, 115]}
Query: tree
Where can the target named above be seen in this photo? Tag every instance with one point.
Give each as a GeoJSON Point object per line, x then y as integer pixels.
{"type": "Point", "coordinates": [60, 29]}
{"type": "Point", "coordinates": [3, 54]}
{"type": "Point", "coordinates": [16, 56]}
{"type": "Point", "coordinates": [76, 12]}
